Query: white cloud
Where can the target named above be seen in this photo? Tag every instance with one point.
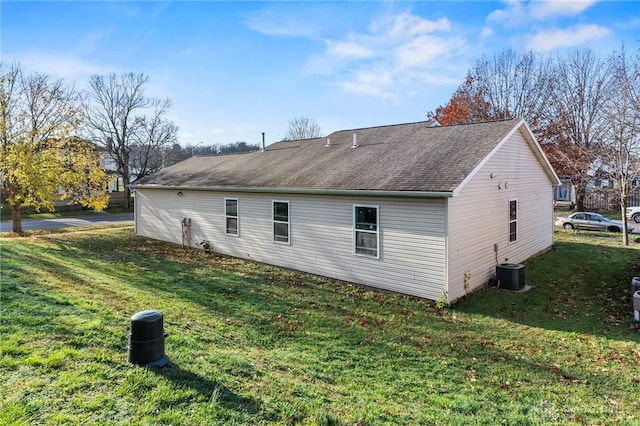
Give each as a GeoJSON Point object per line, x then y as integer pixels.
{"type": "Point", "coordinates": [91, 41]}
{"type": "Point", "coordinates": [387, 60]}
{"type": "Point", "coordinates": [62, 65]}
{"type": "Point", "coordinates": [372, 82]}
{"type": "Point", "coordinates": [486, 32]}
{"type": "Point", "coordinates": [289, 28]}
{"type": "Point", "coordinates": [425, 50]}
{"type": "Point", "coordinates": [348, 49]}
{"type": "Point", "coordinates": [543, 9]}
{"type": "Point", "coordinates": [578, 35]}
{"type": "Point", "coordinates": [548, 22]}
{"type": "Point", "coordinates": [515, 14]}
{"type": "Point", "coordinates": [282, 23]}
{"type": "Point", "coordinates": [405, 26]}
{"type": "Point", "coordinates": [520, 13]}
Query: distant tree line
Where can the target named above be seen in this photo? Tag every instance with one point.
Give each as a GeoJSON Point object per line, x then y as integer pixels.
{"type": "Point", "coordinates": [177, 152]}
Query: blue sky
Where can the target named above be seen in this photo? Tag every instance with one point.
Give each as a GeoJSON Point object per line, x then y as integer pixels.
{"type": "Point", "coordinates": [236, 69]}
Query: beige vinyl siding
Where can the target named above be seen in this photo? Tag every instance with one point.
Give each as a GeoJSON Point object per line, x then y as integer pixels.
{"type": "Point", "coordinates": [479, 216]}
{"type": "Point", "coordinates": [158, 214]}
{"type": "Point", "coordinates": [412, 238]}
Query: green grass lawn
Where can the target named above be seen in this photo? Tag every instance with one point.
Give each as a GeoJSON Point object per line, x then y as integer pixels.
{"type": "Point", "coordinates": [253, 344]}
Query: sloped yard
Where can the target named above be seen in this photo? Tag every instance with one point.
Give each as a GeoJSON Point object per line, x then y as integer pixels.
{"type": "Point", "coordinates": [254, 344]}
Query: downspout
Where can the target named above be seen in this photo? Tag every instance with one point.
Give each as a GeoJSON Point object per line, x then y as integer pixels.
{"type": "Point", "coordinates": [135, 214]}
{"type": "Point", "coordinates": [446, 249]}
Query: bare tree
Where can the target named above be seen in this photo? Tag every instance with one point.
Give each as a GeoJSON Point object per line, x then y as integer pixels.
{"type": "Point", "coordinates": [514, 85]}
{"type": "Point", "coordinates": [506, 85]}
{"type": "Point", "coordinates": [622, 154]}
{"type": "Point", "coordinates": [302, 128]}
{"type": "Point", "coordinates": [577, 123]}
{"type": "Point", "coordinates": [154, 136]}
{"type": "Point", "coordinates": [117, 118]}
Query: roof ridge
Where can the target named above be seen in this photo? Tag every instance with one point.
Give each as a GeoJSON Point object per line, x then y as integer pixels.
{"type": "Point", "coordinates": [301, 140]}
{"type": "Point", "coordinates": [498, 120]}
{"type": "Point", "coordinates": [219, 154]}
{"type": "Point", "coordinates": [430, 121]}
{"type": "Point", "coordinates": [380, 127]}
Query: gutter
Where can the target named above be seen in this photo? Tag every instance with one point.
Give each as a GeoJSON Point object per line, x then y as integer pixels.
{"type": "Point", "coordinates": [310, 191]}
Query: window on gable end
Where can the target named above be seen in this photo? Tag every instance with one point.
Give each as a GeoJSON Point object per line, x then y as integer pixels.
{"type": "Point", "coordinates": [513, 221]}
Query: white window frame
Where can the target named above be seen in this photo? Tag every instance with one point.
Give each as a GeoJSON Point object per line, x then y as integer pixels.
{"type": "Point", "coordinates": [227, 217]}
{"type": "Point", "coordinates": [376, 231]}
{"type": "Point", "coordinates": [513, 221]}
{"type": "Point", "coordinates": [274, 221]}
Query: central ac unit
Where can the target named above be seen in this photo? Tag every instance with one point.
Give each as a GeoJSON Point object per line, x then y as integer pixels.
{"type": "Point", "coordinates": [510, 276]}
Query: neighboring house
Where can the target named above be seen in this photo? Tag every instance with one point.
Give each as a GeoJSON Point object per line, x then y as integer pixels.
{"type": "Point", "coordinates": [600, 194]}
{"type": "Point", "coordinates": [564, 195]}
{"type": "Point", "coordinates": [410, 208]}
{"type": "Point", "coordinates": [116, 194]}
{"type": "Point", "coordinates": [107, 164]}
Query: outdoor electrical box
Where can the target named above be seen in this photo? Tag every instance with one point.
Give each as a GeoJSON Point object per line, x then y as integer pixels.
{"type": "Point", "coordinates": [146, 339]}
{"type": "Point", "coordinates": [636, 306]}
{"type": "Point", "coordinates": [510, 276]}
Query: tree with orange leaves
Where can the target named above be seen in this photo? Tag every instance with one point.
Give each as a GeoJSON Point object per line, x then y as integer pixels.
{"type": "Point", "coordinates": [465, 106]}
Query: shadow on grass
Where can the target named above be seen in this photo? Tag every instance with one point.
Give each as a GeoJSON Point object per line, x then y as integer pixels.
{"type": "Point", "coordinates": [578, 287]}
{"type": "Point", "coordinates": [130, 274]}
{"type": "Point", "coordinates": [214, 391]}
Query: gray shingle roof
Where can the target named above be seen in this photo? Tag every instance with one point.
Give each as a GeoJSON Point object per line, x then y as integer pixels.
{"type": "Point", "coordinates": [404, 157]}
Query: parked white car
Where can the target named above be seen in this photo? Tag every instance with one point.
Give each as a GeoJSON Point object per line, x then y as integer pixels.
{"type": "Point", "coordinates": [590, 221]}
{"type": "Point", "coordinates": [633, 213]}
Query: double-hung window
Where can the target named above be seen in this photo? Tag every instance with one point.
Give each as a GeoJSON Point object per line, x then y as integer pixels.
{"type": "Point", "coordinates": [365, 229]}
{"type": "Point", "coordinates": [231, 216]}
{"type": "Point", "coordinates": [281, 222]}
{"type": "Point", "coordinates": [513, 221]}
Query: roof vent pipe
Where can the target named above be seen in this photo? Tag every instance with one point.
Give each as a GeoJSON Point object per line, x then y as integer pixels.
{"type": "Point", "coordinates": [328, 142]}
{"type": "Point", "coordinates": [355, 141]}
{"type": "Point", "coordinates": [262, 141]}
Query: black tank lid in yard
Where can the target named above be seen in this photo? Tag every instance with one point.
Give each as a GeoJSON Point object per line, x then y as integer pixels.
{"type": "Point", "coordinates": [146, 339]}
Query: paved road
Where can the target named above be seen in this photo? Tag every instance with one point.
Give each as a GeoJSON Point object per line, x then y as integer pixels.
{"type": "Point", "coordinates": [69, 222]}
